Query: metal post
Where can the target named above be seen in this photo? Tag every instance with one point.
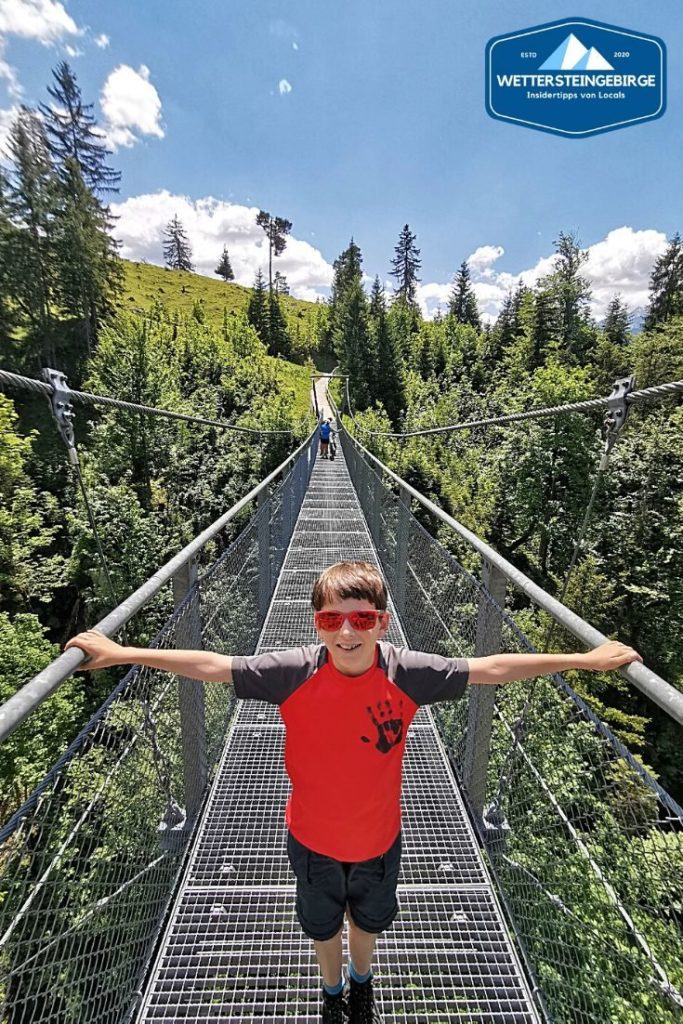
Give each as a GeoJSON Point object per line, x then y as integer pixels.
{"type": "Point", "coordinates": [361, 486]}
{"type": "Point", "coordinates": [375, 518]}
{"type": "Point", "coordinates": [191, 693]}
{"type": "Point", "coordinates": [483, 697]}
{"type": "Point", "coordinates": [402, 537]}
{"type": "Point", "coordinates": [264, 555]}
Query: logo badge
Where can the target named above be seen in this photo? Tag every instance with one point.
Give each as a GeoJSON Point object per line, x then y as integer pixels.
{"type": "Point", "coordinates": [576, 77]}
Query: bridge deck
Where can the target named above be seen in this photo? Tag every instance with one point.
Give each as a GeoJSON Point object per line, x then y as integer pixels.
{"type": "Point", "coordinates": [233, 950]}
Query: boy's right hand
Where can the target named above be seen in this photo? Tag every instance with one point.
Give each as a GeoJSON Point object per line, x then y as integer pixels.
{"type": "Point", "coordinates": [101, 651]}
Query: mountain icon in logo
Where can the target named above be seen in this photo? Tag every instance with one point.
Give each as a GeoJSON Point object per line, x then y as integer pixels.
{"type": "Point", "coordinates": [572, 55]}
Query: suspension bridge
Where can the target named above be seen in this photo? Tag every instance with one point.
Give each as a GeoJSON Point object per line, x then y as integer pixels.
{"type": "Point", "coordinates": [146, 878]}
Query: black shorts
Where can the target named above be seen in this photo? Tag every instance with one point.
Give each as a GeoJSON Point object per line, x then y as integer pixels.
{"type": "Point", "coordinates": [325, 886]}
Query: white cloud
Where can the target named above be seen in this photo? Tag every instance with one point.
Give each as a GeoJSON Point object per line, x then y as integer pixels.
{"type": "Point", "coordinates": [9, 74]}
{"type": "Point", "coordinates": [44, 20]}
{"type": "Point", "coordinates": [73, 51]}
{"type": "Point", "coordinates": [130, 105]}
{"type": "Point", "coordinates": [481, 259]}
{"type": "Point", "coordinates": [102, 41]}
{"type": "Point", "coordinates": [210, 224]}
{"type": "Point", "coordinates": [283, 87]}
{"type": "Point", "coordinates": [295, 46]}
{"type": "Point", "coordinates": [621, 262]}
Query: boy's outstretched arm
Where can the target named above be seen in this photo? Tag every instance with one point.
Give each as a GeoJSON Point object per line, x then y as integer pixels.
{"type": "Point", "coordinates": [508, 668]}
{"type": "Point", "coordinates": [103, 652]}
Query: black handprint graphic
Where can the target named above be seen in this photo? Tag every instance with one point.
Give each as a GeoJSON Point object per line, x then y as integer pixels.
{"type": "Point", "coordinates": [389, 730]}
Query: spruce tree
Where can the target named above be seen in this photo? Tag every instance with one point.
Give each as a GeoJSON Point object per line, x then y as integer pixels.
{"type": "Point", "coordinates": [572, 294]}
{"type": "Point", "coordinates": [463, 302]}
{"type": "Point", "coordinates": [666, 285]}
{"type": "Point", "coordinates": [388, 384]}
{"type": "Point", "coordinates": [545, 330]}
{"type": "Point", "coordinates": [88, 269]}
{"type": "Point", "coordinates": [276, 229]}
{"type": "Point", "coordinates": [177, 249]}
{"type": "Point", "coordinates": [31, 201]}
{"type": "Point", "coordinates": [72, 132]}
{"type": "Point", "coordinates": [405, 264]}
{"type": "Point", "coordinates": [278, 332]}
{"type": "Point", "coordinates": [617, 324]}
{"type": "Point", "coordinates": [224, 268]}
{"type": "Point", "coordinates": [352, 343]}
{"type": "Point", "coordinates": [347, 270]}
{"type": "Point", "coordinates": [257, 309]}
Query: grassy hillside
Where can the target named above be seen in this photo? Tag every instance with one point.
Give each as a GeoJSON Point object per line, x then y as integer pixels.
{"type": "Point", "coordinates": [145, 284]}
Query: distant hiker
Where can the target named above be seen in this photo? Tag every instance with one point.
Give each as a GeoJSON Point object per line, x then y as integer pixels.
{"type": "Point", "coordinates": [325, 431]}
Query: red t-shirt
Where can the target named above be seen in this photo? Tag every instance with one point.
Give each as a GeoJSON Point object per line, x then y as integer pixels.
{"type": "Point", "coordinates": [345, 738]}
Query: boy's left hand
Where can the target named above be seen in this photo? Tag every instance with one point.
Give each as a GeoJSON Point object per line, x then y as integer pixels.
{"type": "Point", "coordinates": [609, 656]}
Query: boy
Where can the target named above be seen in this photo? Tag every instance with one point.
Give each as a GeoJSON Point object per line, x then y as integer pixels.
{"type": "Point", "coordinates": [347, 704]}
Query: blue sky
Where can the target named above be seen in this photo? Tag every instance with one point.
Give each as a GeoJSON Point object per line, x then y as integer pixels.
{"type": "Point", "coordinates": [353, 119]}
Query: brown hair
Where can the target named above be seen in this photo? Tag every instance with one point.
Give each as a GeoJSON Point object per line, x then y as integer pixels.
{"type": "Point", "coordinates": [350, 579]}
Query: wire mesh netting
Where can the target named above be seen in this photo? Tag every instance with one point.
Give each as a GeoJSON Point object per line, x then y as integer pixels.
{"type": "Point", "coordinates": [586, 848]}
{"type": "Point", "coordinates": [90, 860]}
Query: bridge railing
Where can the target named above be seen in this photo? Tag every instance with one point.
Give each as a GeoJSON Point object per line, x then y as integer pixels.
{"type": "Point", "coordinates": [88, 863]}
{"type": "Point", "coordinates": [585, 846]}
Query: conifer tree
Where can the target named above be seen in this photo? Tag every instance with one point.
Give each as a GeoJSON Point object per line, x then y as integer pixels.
{"type": "Point", "coordinates": [352, 343]}
{"type": "Point", "coordinates": [276, 229]}
{"type": "Point", "coordinates": [666, 285]}
{"type": "Point", "coordinates": [31, 202]}
{"type": "Point", "coordinates": [617, 324]}
{"type": "Point", "coordinates": [347, 270]}
{"type": "Point", "coordinates": [72, 133]}
{"type": "Point", "coordinates": [224, 268]}
{"type": "Point", "coordinates": [545, 328]}
{"type": "Point", "coordinates": [406, 263]}
{"type": "Point", "coordinates": [388, 384]}
{"type": "Point", "coordinates": [278, 332]}
{"type": "Point", "coordinates": [177, 249]}
{"type": "Point", "coordinates": [88, 269]}
{"type": "Point", "coordinates": [463, 302]}
{"type": "Point", "coordinates": [572, 293]}
{"type": "Point", "coordinates": [257, 309]}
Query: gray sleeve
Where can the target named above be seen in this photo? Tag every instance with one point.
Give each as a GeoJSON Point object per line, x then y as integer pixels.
{"type": "Point", "coordinates": [426, 678]}
{"type": "Point", "coordinates": [274, 676]}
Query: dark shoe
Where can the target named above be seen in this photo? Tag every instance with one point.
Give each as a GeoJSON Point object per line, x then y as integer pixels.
{"type": "Point", "coordinates": [362, 1006]}
{"type": "Point", "coordinates": [335, 1009]}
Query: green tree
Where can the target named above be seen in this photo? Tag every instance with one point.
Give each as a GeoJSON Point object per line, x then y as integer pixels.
{"type": "Point", "coordinates": [405, 265]}
{"type": "Point", "coordinates": [224, 268]}
{"type": "Point", "coordinates": [257, 309]}
{"type": "Point", "coordinates": [31, 569]}
{"type": "Point", "coordinates": [73, 135]}
{"type": "Point", "coordinates": [177, 249]}
{"type": "Point", "coordinates": [666, 285]}
{"type": "Point", "coordinates": [31, 203]}
{"type": "Point", "coordinates": [463, 302]}
{"type": "Point", "coordinates": [617, 326]}
{"type": "Point", "coordinates": [89, 274]}
{"type": "Point", "coordinates": [278, 332]}
{"type": "Point", "coordinates": [276, 229]}
{"type": "Point", "coordinates": [353, 344]}
{"type": "Point", "coordinates": [572, 295]}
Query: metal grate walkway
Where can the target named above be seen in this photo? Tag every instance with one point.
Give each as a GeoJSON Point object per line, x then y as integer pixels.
{"type": "Point", "coordinates": [233, 950]}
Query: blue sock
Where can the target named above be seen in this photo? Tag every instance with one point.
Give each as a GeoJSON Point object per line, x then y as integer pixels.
{"type": "Point", "coordinates": [334, 990]}
{"type": "Point", "coordinates": [360, 979]}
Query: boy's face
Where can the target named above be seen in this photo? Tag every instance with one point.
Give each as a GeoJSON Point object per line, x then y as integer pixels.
{"type": "Point", "coordinates": [352, 650]}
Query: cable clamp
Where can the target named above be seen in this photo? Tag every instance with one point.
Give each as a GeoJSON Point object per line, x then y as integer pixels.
{"type": "Point", "coordinates": [617, 411]}
{"type": "Point", "coordinates": [62, 409]}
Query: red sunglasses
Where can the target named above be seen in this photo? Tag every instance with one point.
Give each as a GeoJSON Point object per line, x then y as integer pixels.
{"type": "Point", "coordinates": [362, 621]}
